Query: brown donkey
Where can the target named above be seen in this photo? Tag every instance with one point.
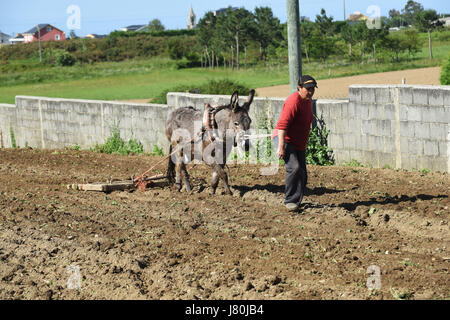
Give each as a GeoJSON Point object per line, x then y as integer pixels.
{"type": "Point", "coordinates": [185, 129]}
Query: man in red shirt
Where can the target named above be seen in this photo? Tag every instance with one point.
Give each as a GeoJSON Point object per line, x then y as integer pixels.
{"type": "Point", "coordinates": [290, 138]}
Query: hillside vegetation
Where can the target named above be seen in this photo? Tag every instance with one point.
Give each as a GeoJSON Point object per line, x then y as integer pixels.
{"type": "Point", "coordinates": [249, 48]}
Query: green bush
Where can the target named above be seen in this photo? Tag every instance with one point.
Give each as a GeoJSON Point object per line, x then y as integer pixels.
{"type": "Point", "coordinates": [115, 144]}
{"type": "Point", "coordinates": [317, 151]}
{"type": "Point", "coordinates": [221, 87]}
{"type": "Point", "coordinates": [445, 72]}
{"type": "Point", "coordinates": [64, 59]}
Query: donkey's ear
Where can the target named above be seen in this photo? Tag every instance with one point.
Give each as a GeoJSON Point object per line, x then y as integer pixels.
{"type": "Point", "coordinates": [249, 100]}
{"type": "Point", "coordinates": [234, 100]}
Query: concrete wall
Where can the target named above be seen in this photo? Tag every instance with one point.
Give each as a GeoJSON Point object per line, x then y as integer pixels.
{"type": "Point", "coordinates": [56, 123]}
{"type": "Point", "coordinates": [401, 126]}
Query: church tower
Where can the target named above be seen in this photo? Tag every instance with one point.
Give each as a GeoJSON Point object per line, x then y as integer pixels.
{"type": "Point", "coordinates": [191, 21]}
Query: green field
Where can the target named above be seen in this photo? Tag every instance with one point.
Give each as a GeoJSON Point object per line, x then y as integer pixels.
{"type": "Point", "coordinates": [145, 79]}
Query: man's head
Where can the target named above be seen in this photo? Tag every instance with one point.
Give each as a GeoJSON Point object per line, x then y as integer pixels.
{"type": "Point", "coordinates": [307, 86]}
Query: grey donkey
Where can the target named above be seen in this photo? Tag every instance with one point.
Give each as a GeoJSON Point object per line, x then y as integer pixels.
{"type": "Point", "coordinates": [185, 131]}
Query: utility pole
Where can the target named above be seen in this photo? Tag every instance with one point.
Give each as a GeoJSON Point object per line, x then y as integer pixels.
{"type": "Point", "coordinates": [294, 46]}
{"type": "Point", "coordinates": [40, 47]}
{"type": "Point", "coordinates": [344, 11]}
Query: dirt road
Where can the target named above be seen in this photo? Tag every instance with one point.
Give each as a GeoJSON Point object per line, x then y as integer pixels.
{"type": "Point", "coordinates": [362, 233]}
{"type": "Point", "coordinates": [338, 88]}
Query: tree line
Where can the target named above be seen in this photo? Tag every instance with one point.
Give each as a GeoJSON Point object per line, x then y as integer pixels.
{"type": "Point", "coordinates": [222, 38]}
{"type": "Point", "coordinates": [237, 38]}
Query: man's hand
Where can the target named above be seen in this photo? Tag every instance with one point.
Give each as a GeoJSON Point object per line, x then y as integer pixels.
{"type": "Point", "coordinates": [280, 151]}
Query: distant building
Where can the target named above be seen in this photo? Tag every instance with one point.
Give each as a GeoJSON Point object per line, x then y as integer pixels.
{"type": "Point", "coordinates": [4, 38]}
{"type": "Point", "coordinates": [191, 20]}
{"type": "Point", "coordinates": [137, 27]}
{"type": "Point", "coordinates": [223, 10]}
{"type": "Point", "coordinates": [95, 36]}
{"type": "Point", "coordinates": [44, 32]}
{"type": "Point", "coordinates": [17, 39]}
{"type": "Point", "coordinates": [303, 19]}
{"type": "Point", "coordinates": [446, 21]}
{"type": "Point", "coordinates": [358, 16]}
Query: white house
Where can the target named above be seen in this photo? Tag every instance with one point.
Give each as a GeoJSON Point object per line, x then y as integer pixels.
{"type": "Point", "coordinates": [4, 38]}
{"type": "Point", "coordinates": [446, 21]}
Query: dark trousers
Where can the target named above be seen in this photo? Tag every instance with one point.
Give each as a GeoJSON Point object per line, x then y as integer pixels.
{"type": "Point", "coordinates": [296, 174]}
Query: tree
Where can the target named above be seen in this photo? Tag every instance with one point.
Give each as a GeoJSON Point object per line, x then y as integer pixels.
{"type": "Point", "coordinates": [428, 21]}
{"type": "Point", "coordinates": [322, 45]}
{"type": "Point", "coordinates": [268, 29]}
{"type": "Point", "coordinates": [238, 23]}
{"type": "Point", "coordinates": [306, 30]}
{"type": "Point", "coordinates": [206, 34]}
{"type": "Point", "coordinates": [348, 34]}
{"type": "Point", "coordinates": [410, 10]}
{"type": "Point", "coordinates": [412, 42]}
{"type": "Point", "coordinates": [375, 38]}
{"type": "Point", "coordinates": [325, 23]}
{"type": "Point", "coordinates": [155, 26]}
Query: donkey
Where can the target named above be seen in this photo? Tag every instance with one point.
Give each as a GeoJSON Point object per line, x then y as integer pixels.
{"type": "Point", "coordinates": [231, 121]}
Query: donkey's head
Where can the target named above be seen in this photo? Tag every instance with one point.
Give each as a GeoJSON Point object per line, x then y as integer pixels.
{"type": "Point", "coordinates": [237, 120]}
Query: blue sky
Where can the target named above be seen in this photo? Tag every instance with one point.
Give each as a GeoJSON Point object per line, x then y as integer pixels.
{"type": "Point", "coordinates": [104, 16]}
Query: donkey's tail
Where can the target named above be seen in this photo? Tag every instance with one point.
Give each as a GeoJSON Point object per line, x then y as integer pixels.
{"type": "Point", "coordinates": [171, 168]}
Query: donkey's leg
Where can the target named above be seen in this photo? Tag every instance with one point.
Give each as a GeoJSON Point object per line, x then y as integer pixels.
{"type": "Point", "coordinates": [214, 180]}
{"type": "Point", "coordinates": [186, 182]}
{"type": "Point", "coordinates": [178, 164]}
{"type": "Point", "coordinates": [219, 172]}
{"type": "Point", "coordinates": [224, 177]}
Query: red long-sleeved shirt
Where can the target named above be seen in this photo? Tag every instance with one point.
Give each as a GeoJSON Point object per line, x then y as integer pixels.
{"type": "Point", "coordinates": [296, 118]}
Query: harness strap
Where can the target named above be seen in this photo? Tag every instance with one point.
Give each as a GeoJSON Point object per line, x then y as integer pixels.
{"type": "Point", "coordinates": [209, 124]}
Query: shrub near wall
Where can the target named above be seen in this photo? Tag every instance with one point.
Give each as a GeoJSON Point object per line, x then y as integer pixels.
{"type": "Point", "coordinates": [445, 72]}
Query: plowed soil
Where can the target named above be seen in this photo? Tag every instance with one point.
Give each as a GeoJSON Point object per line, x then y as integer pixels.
{"type": "Point", "coordinates": [164, 244]}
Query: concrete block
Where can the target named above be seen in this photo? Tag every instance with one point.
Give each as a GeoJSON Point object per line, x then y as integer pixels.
{"type": "Point", "coordinates": [439, 131]}
{"type": "Point", "coordinates": [387, 160]}
{"type": "Point", "coordinates": [431, 148]}
{"type": "Point", "coordinates": [349, 141]}
{"type": "Point", "coordinates": [403, 112]}
{"type": "Point", "coordinates": [436, 97]}
{"type": "Point", "coordinates": [415, 113]}
{"type": "Point", "coordinates": [383, 95]}
{"type": "Point", "coordinates": [439, 164]}
{"type": "Point", "coordinates": [420, 96]}
{"type": "Point", "coordinates": [422, 130]}
{"type": "Point", "coordinates": [375, 112]}
{"type": "Point", "coordinates": [366, 127]}
{"type": "Point", "coordinates": [365, 143]}
{"type": "Point", "coordinates": [354, 94]}
{"type": "Point", "coordinates": [424, 162]}
{"type": "Point", "coordinates": [446, 97]}
{"type": "Point", "coordinates": [384, 127]}
{"type": "Point", "coordinates": [409, 161]}
{"type": "Point", "coordinates": [351, 110]}
{"type": "Point", "coordinates": [362, 111]}
{"type": "Point", "coordinates": [389, 145]}
{"type": "Point", "coordinates": [405, 95]}
{"type": "Point", "coordinates": [368, 95]}
{"type": "Point", "coordinates": [443, 148]}
{"type": "Point", "coordinates": [388, 112]}
{"type": "Point", "coordinates": [415, 146]}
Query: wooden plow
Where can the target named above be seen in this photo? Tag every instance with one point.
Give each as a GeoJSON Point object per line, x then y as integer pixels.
{"type": "Point", "coordinates": [141, 182]}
